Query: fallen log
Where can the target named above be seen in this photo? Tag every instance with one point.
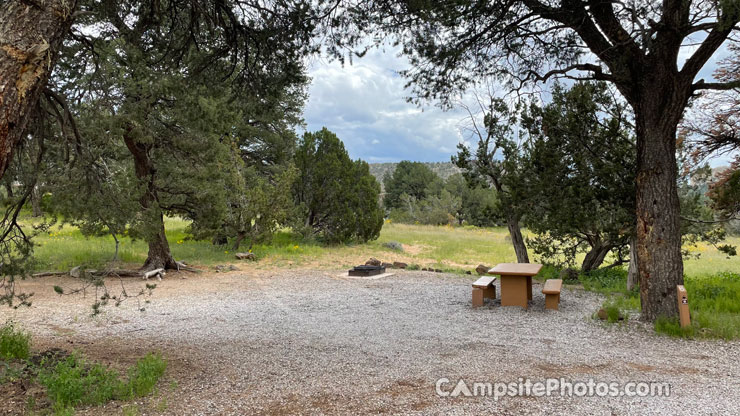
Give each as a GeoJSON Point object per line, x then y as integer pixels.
{"type": "Point", "coordinates": [156, 272]}
{"type": "Point", "coordinates": [119, 273]}
{"type": "Point", "coordinates": [183, 266]}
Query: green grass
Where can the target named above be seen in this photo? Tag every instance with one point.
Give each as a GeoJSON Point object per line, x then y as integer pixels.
{"type": "Point", "coordinates": [446, 248]}
{"type": "Point", "coordinates": [714, 302]}
{"type": "Point", "coordinates": [74, 381]}
{"type": "Point", "coordinates": [14, 342]}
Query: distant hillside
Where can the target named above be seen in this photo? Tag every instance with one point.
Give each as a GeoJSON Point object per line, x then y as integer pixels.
{"type": "Point", "coordinates": [443, 169]}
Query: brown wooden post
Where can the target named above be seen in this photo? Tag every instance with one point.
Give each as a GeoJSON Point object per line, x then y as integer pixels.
{"type": "Point", "coordinates": [683, 307]}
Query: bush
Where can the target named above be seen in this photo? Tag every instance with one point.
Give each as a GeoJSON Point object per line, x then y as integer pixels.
{"type": "Point", "coordinates": [14, 343]}
{"type": "Point", "coordinates": [337, 197]}
{"type": "Point", "coordinates": [393, 245]}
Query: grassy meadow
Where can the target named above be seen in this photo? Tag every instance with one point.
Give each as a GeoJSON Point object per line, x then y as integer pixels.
{"type": "Point", "coordinates": [445, 247]}
{"type": "Point", "coordinates": [714, 288]}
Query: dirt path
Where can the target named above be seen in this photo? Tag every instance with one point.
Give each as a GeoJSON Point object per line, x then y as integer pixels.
{"type": "Point", "coordinates": [308, 342]}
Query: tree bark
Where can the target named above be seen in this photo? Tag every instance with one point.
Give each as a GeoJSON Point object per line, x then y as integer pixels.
{"type": "Point", "coordinates": [659, 261]}
{"type": "Point", "coordinates": [632, 275]}
{"type": "Point", "coordinates": [31, 33]}
{"type": "Point", "coordinates": [159, 256]}
{"type": "Point", "coordinates": [595, 257]}
{"type": "Point", "coordinates": [512, 222]}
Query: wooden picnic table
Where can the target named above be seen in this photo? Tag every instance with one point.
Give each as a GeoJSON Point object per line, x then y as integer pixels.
{"type": "Point", "coordinates": [516, 282]}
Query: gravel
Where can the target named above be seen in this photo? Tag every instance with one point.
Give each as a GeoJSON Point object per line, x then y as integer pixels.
{"type": "Point", "coordinates": [308, 342]}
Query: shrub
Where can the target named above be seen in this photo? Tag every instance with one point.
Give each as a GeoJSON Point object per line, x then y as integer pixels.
{"type": "Point", "coordinates": [14, 343]}
{"type": "Point", "coordinates": [337, 197]}
{"type": "Point", "coordinates": [393, 245]}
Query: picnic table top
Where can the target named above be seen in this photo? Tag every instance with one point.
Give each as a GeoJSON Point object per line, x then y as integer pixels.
{"type": "Point", "coordinates": [516, 269]}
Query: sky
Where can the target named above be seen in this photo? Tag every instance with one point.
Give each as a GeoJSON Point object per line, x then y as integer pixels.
{"type": "Point", "coordinates": [364, 103]}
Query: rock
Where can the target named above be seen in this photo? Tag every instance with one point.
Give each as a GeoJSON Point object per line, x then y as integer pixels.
{"type": "Point", "coordinates": [387, 265]}
{"type": "Point", "coordinates": [438, 270]}
{"type": "Point", "coordinates": [373, 262]}
{"type": "Point", "coordinates": [481, 269]}
{"type": "Point", "coordinates": [399, 265]}
{"type": "Point", "coordinates": [75, 272]}
{"type": "Point", "coordinates": [246, 256]}
{"type": "Point", "coordinates": [393, 245]}
{"type": "Point", "coordinates": [468, 272]}
{"type": "Point", "coordinates": [569, 274]}
{"type": "Point", "coordinates": [602, 314]}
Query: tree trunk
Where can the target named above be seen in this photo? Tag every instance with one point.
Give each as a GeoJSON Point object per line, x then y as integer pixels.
{"type": "Point", "coordinates": [512, 222]}
{"type": "Point", "coordinates": [36, 202]}
{"type": "Point", "coordinates": [659, 261]}
{"type": "Point", "coordinates": [159, 256]}
{"type": "Point", "coordinates": [239, 237]}
{"type": "Point", "coordinates": [632, 275]}
{"type": "Point", "coordinates": [31, 33]}
{"type": "Point", "coordinates": [159, 249]}
{"type": "Point", "coordinates": [595, 257]}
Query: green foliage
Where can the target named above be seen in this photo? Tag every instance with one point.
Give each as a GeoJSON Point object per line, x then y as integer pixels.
{"type": "Point", "coordinates": [14, 342]}
{"type": "Point", "coordinates": [479, 204]}
{"type": "Point", "coordinates": [606, 281]}
{"type": "Point", "coordinates": [337, 197]}
{"type": "Point", "coordinates": [182, 124]}
{"type": "Point", "coordinates": [413, 179]}
{"type": "Point", "coordinates": [453, 202]}
{"type": "Point", "coordinates": [579, 200]}
{"type": "Point", "coordinates": [143, 377]}
{"type": "Point", "coordinates": [618, 308]}
{"type": "Point", "coordinates": [74, 381]}
{"type": "Point", "coordinates": [699, 210]}
{"type": "Point", "coordinates": [433, 210]}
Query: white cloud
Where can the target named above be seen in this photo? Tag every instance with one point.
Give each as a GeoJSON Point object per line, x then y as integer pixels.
{"type": "Point", "coordinates": [364, 104]}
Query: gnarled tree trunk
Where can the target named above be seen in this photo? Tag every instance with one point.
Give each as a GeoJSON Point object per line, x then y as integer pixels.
{"type": "Point", "coordinates": [31, 33]}
{"type": "Point", "coordinates": [159, 255]}
{"type": "Point", "coordinates": [595, 257]}
{"type": "Point", "coordinates": [512, 222]}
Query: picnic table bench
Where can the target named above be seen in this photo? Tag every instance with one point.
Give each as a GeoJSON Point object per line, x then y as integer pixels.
{"type": "Point", "coordinates": [483, 288]}
{"type": "Point", "coordinates": [551, 290]}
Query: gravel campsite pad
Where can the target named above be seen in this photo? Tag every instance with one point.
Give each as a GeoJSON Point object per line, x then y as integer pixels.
{"type": "Point", "coordinates": [310, 342]}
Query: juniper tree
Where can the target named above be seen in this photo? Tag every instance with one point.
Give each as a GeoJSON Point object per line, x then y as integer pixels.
{"type": "Point", "coordinates": [337, 197]}
{"type": "Point", "coordinates": [172, 84]}
{"type": "Point", "coordinates": [415, 179]}
{"type": "Point", "coordinates": [580, 165]}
